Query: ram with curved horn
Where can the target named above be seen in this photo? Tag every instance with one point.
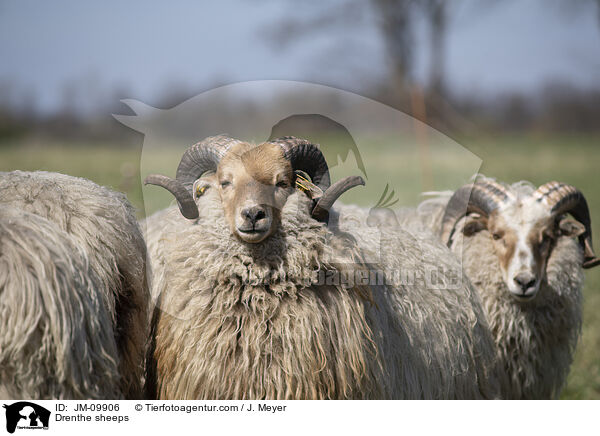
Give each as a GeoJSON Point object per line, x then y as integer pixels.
{"type": "Point", "coordinates": [556, 199]}
{"type": "Point", "coordinates": [562, 199]}
{"type": "Point", "coordinates": [266, 168]}
{"type": "Point", "coordinates": [525, 257]}
{"type": "Point", "coordinates": [257, 299]}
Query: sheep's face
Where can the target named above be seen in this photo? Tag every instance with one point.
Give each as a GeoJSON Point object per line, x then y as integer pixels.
{"type": "Point", "coordinates": [254, 183]}
{"type": "Point", "coordinates": [523, 234]}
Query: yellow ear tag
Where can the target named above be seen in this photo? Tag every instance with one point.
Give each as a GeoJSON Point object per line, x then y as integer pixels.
{"type": "Point", "coordinates": [200, 190]}
{"type": "Point", "coordinates": [304, 184]}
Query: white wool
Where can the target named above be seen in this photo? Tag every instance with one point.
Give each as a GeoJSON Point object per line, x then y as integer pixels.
{"type": "Point", "coordinates": [101, 224]}
{"type": "Point", "coordinates": [536, 340]}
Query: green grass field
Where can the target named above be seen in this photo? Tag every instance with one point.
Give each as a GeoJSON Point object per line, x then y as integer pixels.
{"type": "Point", "coordinates": [539, 159]}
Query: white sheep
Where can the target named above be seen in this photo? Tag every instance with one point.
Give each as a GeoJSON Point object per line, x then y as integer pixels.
{"type": "Point", "coordinates": [54, 343]}
{"type": "Point", "coordinates": [104, 252]}
{"type": "Point", "coordinates": [518, 249]}
{"type": "Point", "coordinates": [257, 299]}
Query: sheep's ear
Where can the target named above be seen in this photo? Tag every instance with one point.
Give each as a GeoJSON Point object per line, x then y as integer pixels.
{"type": "Point", "coordinates": [474, 225]}
{"type": "Point", "coordinates": [571, 228]}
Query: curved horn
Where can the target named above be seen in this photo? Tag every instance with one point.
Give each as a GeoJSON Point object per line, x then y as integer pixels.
{"type": "Point", "coordinates": [202, 157]}
{"type": "Point", "coordinates": [321, 210]}
{"type": "Point", "coordinates": [562, 198]}
{"type": "Point", "coordinates": [306, 156]}
{"type": "Point", "coordinates": [481, 197]}
{"type": "Point", "coordinates": [185, 201]}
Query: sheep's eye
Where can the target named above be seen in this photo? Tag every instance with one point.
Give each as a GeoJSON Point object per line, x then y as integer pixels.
{"type": "Point", "coordinates": [281, 184]}
{"type": "Point", "coordinates": [225, 184]}
{"type": "Point", "coordinates": [496, 236]}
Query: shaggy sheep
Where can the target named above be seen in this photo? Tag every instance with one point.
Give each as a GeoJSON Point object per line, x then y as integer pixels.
{"type": "Point", "coordinates": [54, 343]}
{"type": "Point", "coordinates": [101, 225]}
{"type": "Point", "coordinates": [518, 249]}
{"type": "Point", "coordinates": [257, 299]}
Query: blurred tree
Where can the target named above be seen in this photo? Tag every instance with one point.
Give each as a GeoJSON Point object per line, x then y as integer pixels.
{"type": "Point", "coordinates": [394, 18]}
{"type": "Point", "coordinates": [436, 15]}
{"type": "Point", "coordinates": [397, 22]}
{"type": "Point", "coordinates": [570, 7]}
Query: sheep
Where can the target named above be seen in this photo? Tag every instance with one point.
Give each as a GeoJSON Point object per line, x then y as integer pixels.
{"type": "Point", "coordinates": [257, 299]}
{"type": "Point", "coordinates": [518, 249]}
{"type": "Point", "coordinates": [103, 231]}
{"type": "Point", "coordinates": [54, 343]}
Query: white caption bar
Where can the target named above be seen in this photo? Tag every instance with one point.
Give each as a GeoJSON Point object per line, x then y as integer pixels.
{"type": "Point", "coordinates": [22, 418]}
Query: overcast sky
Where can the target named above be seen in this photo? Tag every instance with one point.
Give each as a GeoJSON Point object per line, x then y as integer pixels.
{"type": "Point", "coordinates": [140, 48]}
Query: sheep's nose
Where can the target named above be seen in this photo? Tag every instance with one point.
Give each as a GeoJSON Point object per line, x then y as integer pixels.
{"type": "Point", "coordinates": [253, 214]}
{"type": "Point", "coordinates": [525, 281]}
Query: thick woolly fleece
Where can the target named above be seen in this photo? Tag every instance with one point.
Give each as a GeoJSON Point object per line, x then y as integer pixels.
{"type": "Point", "coordinates": [240, 321]}
{"type": "Point", "coordinates": [54, 342]}
{"type": "Point", "coordinates": [102, 225]}
{"type": "Point", "coordinates": [535, 340]}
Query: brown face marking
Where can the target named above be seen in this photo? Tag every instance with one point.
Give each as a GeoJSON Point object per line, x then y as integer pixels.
{"type": "Point", "coordinates": [266, 163]}
{"type": "Point", "coordinates": [541, 239]}
{"type": "Point", "coordinates": [254, 176]}
{"type": "Point", "coordinates": [504, 237]}
{"type": "Point", "coordinates": [524, 233]}
{"type": "Point", "coordinates": [524, 237]}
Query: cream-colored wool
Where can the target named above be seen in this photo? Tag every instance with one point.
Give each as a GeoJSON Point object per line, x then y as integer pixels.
{"type": "Point", "coordinates": [240, 321]}
{"type": "Point", "coordinates": [103, 226]}
{"type": "Point", "coordinates": [55, 342]}
{"type": "Point", "coordinates": [535, 340]}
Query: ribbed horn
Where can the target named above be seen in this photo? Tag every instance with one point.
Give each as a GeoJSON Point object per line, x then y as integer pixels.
{"type": "Point", "coordinates": [306, 156]}
{"type": "Point", "coordinates": [185, 201]}
{"type": "Point", "coordinates": [202, 157]}
{"type": "Point", "coordinates": [561, 198]}
{"type": "Point", "coordinates": [480, 197]}
{"type": "Point", "coordinates": [321, 210]}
